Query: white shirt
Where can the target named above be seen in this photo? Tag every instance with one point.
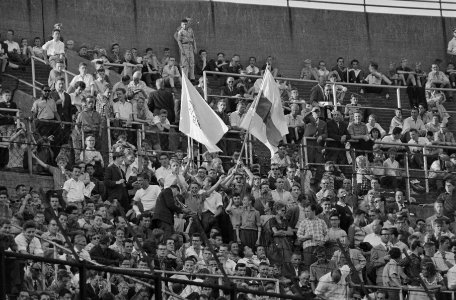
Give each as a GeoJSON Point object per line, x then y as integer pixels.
{"type": "Point", "coordinates": [34, 246]}
{"type": "Point", "coordinates": [284, 196]}
{"type": "Point", "coordinates": [212, 202]}
{"type": "Point", "coordinates": [409, 123]}
{"type": "Point", "coordinates": [148, 197]}
{"type": "Point", "coordinates": [12, 45]}
{"type": "Point", "coordinates": [54, 48]}
{"type": "Point", "coordinates": [169, 180]}
{"type": "Point", "coordinates": [421, 141]}
{"type": "Point", "coordinates": [87, 78]}
{"type": "Point", "coordinates": [123, 110]}
{"type": "Point", "coordinates": [451, 276]}
{"type": "Point", "coordinates": [440, 263]}
{"type": "Point", "coordinates": [75, 190]}
{"type": "Point", "coordinates": [162, 173]}
{"type": "Point", "coordinates": [372, 239]}
{"type": "Point", "coordinates": [329, 290]}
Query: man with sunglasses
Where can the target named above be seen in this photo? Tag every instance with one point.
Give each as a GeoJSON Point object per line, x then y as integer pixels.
{"type": "Point", "coordinates": [44, 110]}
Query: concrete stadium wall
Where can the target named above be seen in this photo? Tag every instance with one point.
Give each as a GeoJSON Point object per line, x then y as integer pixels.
{"type": "Point", "coordinates": [289, 34]}
{"type": "Point", "coordinates": [12, 179]}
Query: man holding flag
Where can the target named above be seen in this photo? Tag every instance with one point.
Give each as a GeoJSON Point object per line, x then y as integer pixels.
{"type": "Point", "coordinates": [197, 119]}
{"type": "Point", "coordinates": [265, 119]}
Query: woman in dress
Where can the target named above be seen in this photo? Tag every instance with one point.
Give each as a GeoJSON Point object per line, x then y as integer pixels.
{"type": "Point", "coordinates": [433, 281]}
{"type": "Point", "coordinates": [280, 249]}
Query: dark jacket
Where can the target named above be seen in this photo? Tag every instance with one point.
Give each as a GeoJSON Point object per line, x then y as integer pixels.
{"type": "Point", "coordinates": [107, 257]}
{"type": "Point", "coordinates": [65, 109]}
{"type": "Point", "coordinates": [113, 190]}
{"type": "Point", "coordinates": [162, 99]}
{"type": "Point", "coordinates": [336, 132]}
{"type": "Point", "coordinates": [166, 207]}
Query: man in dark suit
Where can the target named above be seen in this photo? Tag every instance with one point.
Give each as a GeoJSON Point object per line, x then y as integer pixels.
{"type": "Point", "coordinates": [162, 99]}
{"type": "Point", "coordinates": [337, 130]}
{"type": "Point", "coordinates": [64, 108]}
{"type": "Point", "coordinates": [33, 281]}
{"type": "Point", "coordinates": [165, 208]}
{"type": "Point", "coordinates": [303, 287]}
{"type": "Point", "coordinates": [115, 182]}
{"type": "Point", "coordinates": [317, 128]}
{"type": "Point", "coordinates": [230, 91]}
{"type": "Point", "coordinates": [379, 256]}
{"type": "Point", "coordinates": [53, 210]}
{"type": "Point", "coordinates": [291, 270]}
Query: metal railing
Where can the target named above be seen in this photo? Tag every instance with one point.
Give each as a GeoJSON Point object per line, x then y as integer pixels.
{"type": "Point", "coordinates": [157, 278]}
{"type": "Point", "coordinates": [35, 82]}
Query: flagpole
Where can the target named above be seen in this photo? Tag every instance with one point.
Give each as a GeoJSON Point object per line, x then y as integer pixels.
{"type": "Point", "coordinates": [254, 104]}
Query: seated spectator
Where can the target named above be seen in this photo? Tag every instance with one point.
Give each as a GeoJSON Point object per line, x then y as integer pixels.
{"type": "Point", "coordinates": [351, 108]}
{"type": "Point", "coordinates": [437, 78]}
{"type": "Point", "coordinates": [295, 125]}
{"type": "Point", "coordinates": [26, 241]}
{"type": "Point", "coordinates": [376, 78]}
{"type": "Point", "coordinates": [435, 100]}
{"type": "Point", "coordinates": [405, 74]}
{"type": "Point", "coordinates": [83, 76]}
{"type": "Point", "coordinates": [56, 72]}
{"type": "Point", "coordinates": [444, 137]}
{"type": "Point", "coordinates": [130, 65]}
{"type": "Point", "coordinates": [355, 74]}
{"type": "Point", "coordinates": [171, 74]}
{"type": "Point", "coordinates": [416, 157]}
{"type": "Point", "coordinates": [37, 49]}
{"type": "Point", "coordinates": [268, 64]}
{"type": "Point", "coordinates": [322, 71]}
{"type": "Point", "coordinates": [372, 123]}
{"type": "Point", "coordinates": [150, 70]}
{"type": "Point", "coordinates": [137, 85]}
{"type": "Point", "coordinates": [231, 91]}
{"type": "Point", "coordinates": [162, 99]}
{"type": "Point", "coordinates": [433, 125]}
{"type": "Point", "coordinates": [234, 66]}
{"type": "Point", "coordinates": [341, 70]}
{"type": "Point", "coordinates": [55, 49]}
{"type": "Point", "coordinates": [358, 132]}
{"type": "Point", "coordinates": [252, 69]}
{"type": "Point", "coordinates": [413, 122]}
{"type": "Point", "coordinates": [237, 116]}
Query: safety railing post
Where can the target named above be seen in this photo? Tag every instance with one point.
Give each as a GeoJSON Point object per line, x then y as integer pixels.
{"type": "Point", "coordinates": [108, 129]}
{"type": "Point", "coordinates": [163, 288]}
{"type": "Point", "coordinates": [205, 85]}
{"type": "Point", "coordinates": [251, 149]}
{"type": "Point", "coordinates": [18, 121]}
{"type": "Point", "coordinates": [398, 96]}
{"type": "Point", "coordinates": [139, 134]}
{"type": "Point", "coordinates": [56, 266]}
{"type": "Point", "coordinates": [426, 171]}
{"type": "Point", "coordinates": [334, 90]}
{"type": "Point", "coordinates": [2, 276]}
{"type": "Point", "coordinates": [29, 142]}
{"type": "Point", "coordinates": [401, 295]}
{"type": "Point", "coordinates": [83, 143]}
{"type": "Point", "coordinates": [158, 288]}
{"type": "Point", "coordinates": [82, 282]}
{"type": "Point", "coordinates": [67, 84]}
{"type": "Point", "coordinates": [407, 175]}
{"type": "Point", "coordinates": [306, 158]}
{"type": "Point", "coordinates": [33, 77]}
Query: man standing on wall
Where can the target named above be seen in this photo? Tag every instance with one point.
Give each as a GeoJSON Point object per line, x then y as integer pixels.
{"type": "Point", "coordinates": [187, 46]}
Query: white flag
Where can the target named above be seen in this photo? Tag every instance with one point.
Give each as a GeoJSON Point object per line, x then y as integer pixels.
{"type": "Point", "coordinates": [198, 120]}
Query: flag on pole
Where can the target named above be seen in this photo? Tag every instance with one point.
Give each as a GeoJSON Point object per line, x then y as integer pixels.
{"type": "Point", "coordinates": [265, 119]}
{"type": "Point", "coordinates": [198, 120]}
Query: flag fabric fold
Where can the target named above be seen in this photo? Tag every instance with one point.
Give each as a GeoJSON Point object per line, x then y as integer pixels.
{"type": "Point", "coordinates": [198, 120]}
{"type": "Point", "coordinates": [265, 119]}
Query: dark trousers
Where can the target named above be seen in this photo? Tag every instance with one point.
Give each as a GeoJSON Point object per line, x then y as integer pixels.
{"type": "Point", "coordinates": [167, 228]}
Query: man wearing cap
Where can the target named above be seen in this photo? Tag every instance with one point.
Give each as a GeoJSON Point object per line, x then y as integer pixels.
{"type": "Point", "coordinates": [187, 45]}
{"type": "Point", "coordinates": [317, 128]}
{"type": "Point", "coordinates": [451, 49]}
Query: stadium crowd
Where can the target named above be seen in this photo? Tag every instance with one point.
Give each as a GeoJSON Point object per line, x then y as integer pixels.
{"type": "Point", "coordinates": [318, 233]}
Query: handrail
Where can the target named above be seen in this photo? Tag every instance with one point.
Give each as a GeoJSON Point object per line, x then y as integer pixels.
{"type": "Point", "coordinates": [18, 79]}
{"type": "Point", "coordinates": [44, 62]}
{"type": "Point", "coordinates": [156, 277]}
{"type": "Point", "coordinates": [327, 82]}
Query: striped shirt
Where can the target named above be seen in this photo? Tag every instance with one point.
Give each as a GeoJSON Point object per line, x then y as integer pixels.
{"type": "Point", "coordinates": [315, 227]}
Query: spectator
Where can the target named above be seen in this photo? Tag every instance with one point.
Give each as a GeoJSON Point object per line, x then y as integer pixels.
{"type": "Point", "coordinates": [162, 99]}
{"type": "Point", "coordinates": [26, 242]}
{"type": "Point", "coordinates": [56, 72]}
{"type": "Point", "coordinates": [332, 285]}
{"type": "Point", "coordinates": [341, 70]}
{"type": "Point", "coordinates": [171, 75]}
{"type": "Point", "coordinates": [376, 78]}
{"type": "Point", "coordinates": [83, 76]}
